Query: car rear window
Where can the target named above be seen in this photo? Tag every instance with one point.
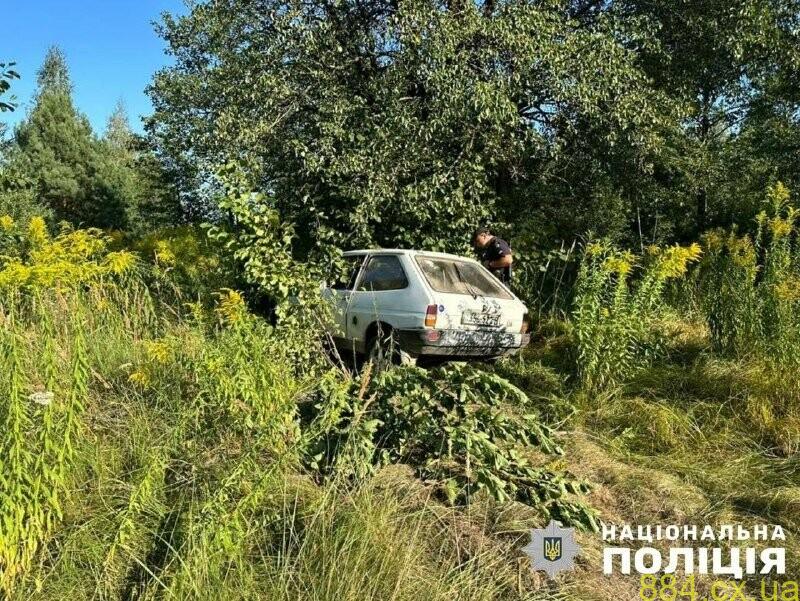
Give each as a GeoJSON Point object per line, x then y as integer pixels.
{"type": "Point", "coordinates": [460, 277]}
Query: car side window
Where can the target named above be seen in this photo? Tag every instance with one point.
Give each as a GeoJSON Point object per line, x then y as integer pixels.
{"type": "Point", "coordinates": [346, 278]}
{"type": "Point", "coordinates": [383, 272]}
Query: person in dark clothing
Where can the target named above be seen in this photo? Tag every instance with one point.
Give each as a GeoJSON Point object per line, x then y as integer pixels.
{"type": "Point", "coordinates": [495, 253]}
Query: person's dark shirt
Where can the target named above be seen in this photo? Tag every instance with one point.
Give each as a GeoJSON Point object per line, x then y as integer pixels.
{"type": "Point", "coordinates": [496, 249]}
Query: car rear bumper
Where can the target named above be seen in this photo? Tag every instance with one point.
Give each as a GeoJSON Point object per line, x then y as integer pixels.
{"type": "Point", "coordinates": [463, 343]}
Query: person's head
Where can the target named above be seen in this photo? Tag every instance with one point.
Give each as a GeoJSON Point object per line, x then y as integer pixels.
{"type": "Point", "coordinates": [481, 237]}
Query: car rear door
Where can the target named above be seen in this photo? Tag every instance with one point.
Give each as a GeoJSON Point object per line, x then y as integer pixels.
{"type": "Point", "coordinates": [385, 293]}
{"type": "Point", "coordinates": [469, 297]}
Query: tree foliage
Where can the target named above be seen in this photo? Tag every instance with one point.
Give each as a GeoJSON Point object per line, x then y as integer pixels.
{"type": "Point", "coordinates": [410, 123]}
{"type": "Point", "coordinates": [57, 156]}
{"type": "Point", "coordinates": [723, 62]}
{"type": "Point", "coordinates": [375, 122]}
{"type": "Point", "coordinates": [57, 167]}
{"type": "Point", "coordinates": [135, 177]}
{"type": "Point", "coordinates": [393, 123]}
{"type": "Point", "coordinates": [7, 74]}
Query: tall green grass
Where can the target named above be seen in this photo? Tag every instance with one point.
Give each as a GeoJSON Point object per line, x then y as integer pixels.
{"type": "Point", "coordinates": [158, 449]}
{"type": "Point", "coordinates": [154, 450]}
{"type": "Point", "coordinates": [180, 472]}
{"type": "Point", "coordinates": [618, 298]}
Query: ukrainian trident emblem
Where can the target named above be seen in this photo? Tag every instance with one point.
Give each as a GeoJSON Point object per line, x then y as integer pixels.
{"type": "Point", "coordinates": [552, 549]}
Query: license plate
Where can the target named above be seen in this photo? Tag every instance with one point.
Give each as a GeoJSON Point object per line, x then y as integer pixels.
{"type": "Point", "coordinates": [481, 319]}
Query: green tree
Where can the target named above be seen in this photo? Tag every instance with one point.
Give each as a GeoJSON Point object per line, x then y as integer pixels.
{"type": "Point", "coordinates": [53, 76]}
{"type": "Point", "coordinates": [57, 155]}
{"type": "Point", "coordinates": [133, 175]}
{"type": "Point", "coordinates": [724, 61]}
{"type": "Point", "coordinates": [17, 197]}
{"type": "Point", "coordinates": [119, 135]}
{"type": "Point", "coordinates": [115, 177]}
{"type": "Point", "coordinates": [392, 123]}
{"type": "Point", "coordinates": [16, 201]}
{"type": "Point", "coordinates": [158, 199]}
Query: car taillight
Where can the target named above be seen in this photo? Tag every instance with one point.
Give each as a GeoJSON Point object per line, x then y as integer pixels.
{"type": "Point", "coordinates": [526, 324]}
{"type": "Point", "coordinates": [430, 316]}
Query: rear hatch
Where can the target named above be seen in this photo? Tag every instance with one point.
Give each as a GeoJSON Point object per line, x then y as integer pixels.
{"type": "Point", "coordinates": [469, 297]}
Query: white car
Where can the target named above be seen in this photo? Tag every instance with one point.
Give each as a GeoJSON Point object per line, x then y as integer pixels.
{"type": "Point", "coordinates": [405, 304]}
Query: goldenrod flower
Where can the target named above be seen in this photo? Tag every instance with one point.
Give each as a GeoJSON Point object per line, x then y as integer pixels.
{"type": "Point", "coordinates": [713, 240]}
{"type": "Point", "coordinates": [120, 262]}
{"type": "Point", "coordinates": [157, 351]}
{"type": "Point", "coordinates": [72, 258]}
{"type": "Point", "coordinates": [6, 223]}
{"type": "Point", "coordinates": [674, 261]}
{"type": "Point", "coordinates": [620, 264]}
{"type": "Point", "coordinates": [788, 289]}
{"type": "Point", "coordinates": [594, 248]}
{"type": "Point", "coordinates": [140, 377]}
{"type": "Point", "coordinates": [780, 227]}
{"type": "Point", "coordinates": [164, 254]}
{"type": "Point", "coordinates": [778, 194]}
{"type": "Point", "coordinates": [14, 275]}
{"type": "Point", "coordinates": [231, 307]}
{"type": "Point", "coordinates": [37, 231]}
{"type": "Point", "coordinates": [742, 251]}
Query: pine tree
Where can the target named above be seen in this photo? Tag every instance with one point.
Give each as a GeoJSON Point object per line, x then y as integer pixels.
{"type": "Point", "coordinates": [53, 76]}
{"type": "Point", "coordinates": [158, 201]}
{"type": "Point", "coordinates": [60, 156]}
{"type": "Point", "coordinates": [116, 177]}
{"type": "Point", "coordinates": [119, 135]}
{"type": "Point", "coordinates": [131, 174]}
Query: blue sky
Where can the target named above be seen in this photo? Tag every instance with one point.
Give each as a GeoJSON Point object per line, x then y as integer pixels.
{"type": "Point", "coordinates": [110, 45]}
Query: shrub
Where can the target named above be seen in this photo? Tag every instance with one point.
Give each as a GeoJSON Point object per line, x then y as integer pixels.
{"type": "Point", "coordinates": [187, 258]}
{"type": "Point", "coordinates": [260, 243]}
{"type": "Point", "coordinates": [750, 287]}
{"type": "Point", "coordinates": [463, 429]}
{"type": "Point", "coordinates": [544, 280]}
{"type": "Point", "coordinates": [20, 203]}
{"type": "Point", "coordinates": [33, 260]}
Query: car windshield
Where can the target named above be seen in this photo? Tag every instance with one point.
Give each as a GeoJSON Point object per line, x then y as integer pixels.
{"type": "Point", "coordinates": [460, 277]}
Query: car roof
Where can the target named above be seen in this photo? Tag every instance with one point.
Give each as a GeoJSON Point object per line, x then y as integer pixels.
{"type": "Point", "coordinates": [416, 253]}
{"type": "Point", "coordinates": [404, 251]}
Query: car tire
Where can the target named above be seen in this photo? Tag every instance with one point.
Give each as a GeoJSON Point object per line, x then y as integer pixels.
{"type": "Point", "coordinates": [383, 351]}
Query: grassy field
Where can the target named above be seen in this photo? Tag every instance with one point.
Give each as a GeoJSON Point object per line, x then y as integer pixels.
{"type": "Point", "coordinates": [684, 442]}
{"type": "Point", "coordinates": [160, 445]}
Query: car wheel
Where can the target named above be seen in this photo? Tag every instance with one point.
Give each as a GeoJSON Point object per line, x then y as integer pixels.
{"type": "Point", "coordinates": [383, 351]}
